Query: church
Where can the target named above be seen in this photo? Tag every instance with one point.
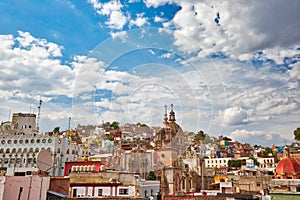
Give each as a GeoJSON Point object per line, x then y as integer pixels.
{"type": "Point", "coordinates": [170, 146]}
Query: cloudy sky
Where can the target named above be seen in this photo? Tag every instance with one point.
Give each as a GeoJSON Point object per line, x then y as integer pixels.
{"type": "Point", "coordinates": [229, 67]}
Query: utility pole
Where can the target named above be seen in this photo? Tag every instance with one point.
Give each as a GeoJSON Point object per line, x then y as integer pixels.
{"type": "Point", "coordinates": [69, 123]}
{"type": "Point", "coordinates": [39, 115]}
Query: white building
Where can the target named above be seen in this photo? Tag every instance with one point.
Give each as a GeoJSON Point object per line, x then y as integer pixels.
{"type": "Point", "coordinates": [18, 153]}
{"type": "Point", "coordinates": [21, 143]}
{"type": "Point", "coordinates": [216, 162]}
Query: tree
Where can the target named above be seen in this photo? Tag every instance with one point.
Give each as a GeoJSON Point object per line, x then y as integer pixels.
{"type": "Point", "coordinates": [115, 125]}
{"type": "Point", "coordinates": [151, 176]}
{"type": "Point", "coordinates": [56, 129]}
{"type": "Point", "coordinates": [256, 163]}
{"type": "Point", "coordinates": [227, 138]}
{"type": "Point", "coordinates": [200, 135]}
{"type": "Point", "coordinates": [236, 163]}
{"type": "Point", "coordinates": [297, 134]}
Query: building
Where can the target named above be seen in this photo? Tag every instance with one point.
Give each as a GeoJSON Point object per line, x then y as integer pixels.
{"type": "Point", "coordinates": [170, 134]}
{"type": "Point", "coordinates": [87, 182]}
{"type": "Point", "coordinates": [24, 123]}
{"type": "Point", "coordinates": [216, 162]}
{"type": "Point", "coordinates": [287, 168]}
{"type": "Point", "coordinates": [21, 143]}
{"type": "Point", "coordinates": [18, 153]}
{"type": "Point", "coordinates": [84, 166]}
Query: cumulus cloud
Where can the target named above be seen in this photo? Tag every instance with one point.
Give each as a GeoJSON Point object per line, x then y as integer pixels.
{"type": "Point", "coordinates": [30, 66]}
{"type": "Point", "coordinates": [139, 21]}
{"type": "Point", "coordinates": [264, 138]}
{"type": "Point", "coordinates": [237, 116]}
{"type": "Point", "coordinates": [238, 29]}
{"type": "Point", "coordinates": [112, 9]}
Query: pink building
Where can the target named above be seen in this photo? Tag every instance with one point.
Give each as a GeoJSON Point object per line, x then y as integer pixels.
{"type": "Point", "coordinates": [24, 187]}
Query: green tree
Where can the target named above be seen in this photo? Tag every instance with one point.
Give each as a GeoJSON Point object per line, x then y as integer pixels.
{"type": "Point", "coordinates": [267, 151]}
{"type": "Point", "coordinates": [200, 135]}
{"type": "Point", "coordinates": [297, 134]}
{"type": "Point", "coordinates": [256, 163]}
{"type": "Point", "coordinates": [115, 125]}
{"type": "Point", "coordinates": [227, 138]}
{"type": "Point", "coordinates": [151, 176]}
{"type": "Point", "coordinates": [236, 163]}
{"type": "Point", "coordinates": [56, 130]}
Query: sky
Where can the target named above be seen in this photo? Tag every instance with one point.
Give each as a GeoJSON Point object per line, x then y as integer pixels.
{"type": "Point", "coordinates": [229, 67]}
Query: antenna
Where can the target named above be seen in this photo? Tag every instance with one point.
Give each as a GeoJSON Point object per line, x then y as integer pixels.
{"type": "Point", "coordinates": [69, 123]}
{"type": "Point", "coordinates": [44, 160]}
{"type": "Point", "coordinates": [39, 115]}
{"type": "Point", "coordinates": [9, 113]}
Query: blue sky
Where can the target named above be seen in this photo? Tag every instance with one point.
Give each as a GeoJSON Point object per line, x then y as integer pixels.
{"type": "Point", "coordinates": [229, 68]}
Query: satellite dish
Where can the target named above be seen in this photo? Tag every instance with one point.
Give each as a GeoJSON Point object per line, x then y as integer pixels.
{"type": "Point", "coordinates": [44, 160]}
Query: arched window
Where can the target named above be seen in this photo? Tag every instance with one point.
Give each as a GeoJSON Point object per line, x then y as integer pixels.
{"type": "Point", "coordinates": [163, 135]}
{"type": "Point", "coordinates": [183, 183]}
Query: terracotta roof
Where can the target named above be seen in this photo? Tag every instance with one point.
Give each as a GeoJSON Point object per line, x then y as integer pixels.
{"type": "Point", "coordinates": [288, 166]}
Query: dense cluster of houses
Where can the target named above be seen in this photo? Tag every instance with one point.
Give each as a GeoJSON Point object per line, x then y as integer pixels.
{"type": "Point", "coordinates": [137, 161]}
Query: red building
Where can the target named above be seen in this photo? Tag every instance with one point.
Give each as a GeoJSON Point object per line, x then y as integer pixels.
{"type": "Point", "coordinates": [97, 165]}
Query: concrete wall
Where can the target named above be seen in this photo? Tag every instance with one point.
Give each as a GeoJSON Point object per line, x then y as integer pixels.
{"type": "Point", "coordinates": [28, 187]}
{"type": "Point", "coordinates": [2, 181]}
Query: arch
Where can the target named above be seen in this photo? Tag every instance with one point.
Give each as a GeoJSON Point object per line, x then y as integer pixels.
{"type": "Point", "coordinates": [183, 183]}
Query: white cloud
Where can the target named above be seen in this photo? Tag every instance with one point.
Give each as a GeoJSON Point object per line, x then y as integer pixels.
{"type": "Point", "coordinates": [236, 116]}
{"type": "Point", "coordinates": [242, 29]}
{"type": "Point", "coordinates": [157, 3]}
{"type": "Point", "coordinates": [139, 20]}
{"type": "Point", "coordinates": [121, 34]}
{"type": "Point", "coordinates": [158, 19]}
{"type": "Point", "coordinates": [113, 9]}
{"type": "Point", "coordinates": [264, 138]}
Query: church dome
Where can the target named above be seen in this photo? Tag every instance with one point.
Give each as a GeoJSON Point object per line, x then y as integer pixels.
{"type": "Point", "coordinates": [288, 166]}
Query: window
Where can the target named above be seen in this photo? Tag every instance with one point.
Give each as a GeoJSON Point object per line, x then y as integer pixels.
{"type": "Point", "coordinates": [38, 141]}
{"type": "Point", "coordinates": [183, 183]}
{"type": "Point", "coordinates": [123, 191]}
{"type": "Point", "coordinates": [3, 142]}
{"type": "Point", "coordinates": [163, 135]}
{"type": "Point", "coordinates": [32, 141]}
{"type": "Point", "coordinates": [49, 140]}
{"type": "Point", "coordinates": [74, 193]}
{"type": "Point", "coordinates": [44, 140]}
{"type": "Point", "coordinates": [100, 192]}
{"type": "Point", "coordinates": [257, 184]}
{"type": "Point", "coordinates": [9, 141]}
{"type": "Point", "coordinates": [26, 141]}
{"type": "Point", "coordinates": [29, 126]}
{"type": "Point", "coordinates": [21, 141]}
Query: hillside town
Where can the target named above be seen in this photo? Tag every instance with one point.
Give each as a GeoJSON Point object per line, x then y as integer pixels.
{"type": "Point", "coordinates": [135, 161]}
